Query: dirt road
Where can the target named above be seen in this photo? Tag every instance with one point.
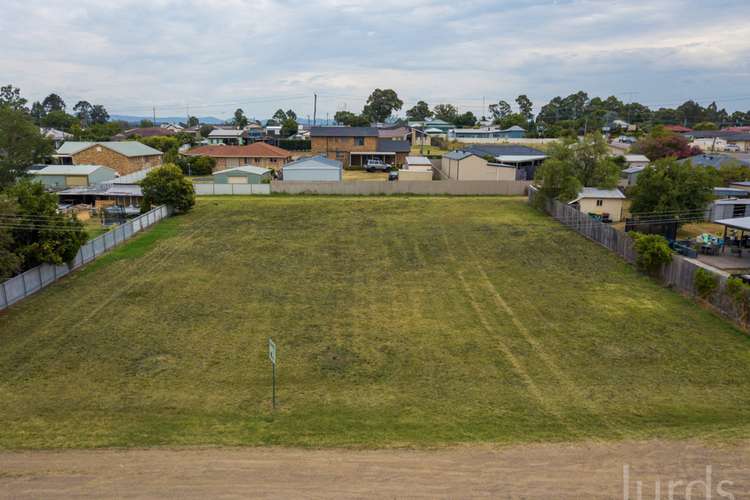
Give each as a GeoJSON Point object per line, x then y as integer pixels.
{"type": "Point", "coordinates": [580, 470]}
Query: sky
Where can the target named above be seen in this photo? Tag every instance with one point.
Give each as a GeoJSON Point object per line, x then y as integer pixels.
{"type": "Point", "coordinates": [213, 56]}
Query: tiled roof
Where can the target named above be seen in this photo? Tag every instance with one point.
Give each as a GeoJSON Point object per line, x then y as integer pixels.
{"type": "Point", "coordinates": [126, 148]}
{"type": "Point", "coordinates": [256, 149]}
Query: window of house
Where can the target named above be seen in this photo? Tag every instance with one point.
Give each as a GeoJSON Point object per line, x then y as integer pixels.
{"type": "Point", "coordinates": [359, 141]}
{"type": "Point", "coordinates": [599, 203]}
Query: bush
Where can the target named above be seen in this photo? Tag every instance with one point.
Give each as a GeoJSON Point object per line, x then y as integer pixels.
{"type": "Point", "coordinates": [295, 144]}
{"type": "Point", "coordinates": [167, 185]}
{"type": "Point", "coordinates": [653, 252]}
{"type": "Point", "coordinates": [705, 283]}
{"type": "Point", "coordinates": [196, 165]}
{"type": "Point", "coordinates": [739, 293]}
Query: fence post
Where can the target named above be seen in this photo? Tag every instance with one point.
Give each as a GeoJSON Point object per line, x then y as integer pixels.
{"type": "Point", "coordinates": [39, 273]}
{"type": "Point", "coordinates": [5, 294]}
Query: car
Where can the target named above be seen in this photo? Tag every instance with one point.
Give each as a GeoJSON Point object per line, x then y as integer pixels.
{"type": "Point", "coordinates": [732, 148]}
{"type": "Point", "coordinates": [373, 165]}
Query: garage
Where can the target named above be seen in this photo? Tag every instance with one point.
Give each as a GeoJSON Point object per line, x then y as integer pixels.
{"type": "Point", "coordinates": [247, 174]}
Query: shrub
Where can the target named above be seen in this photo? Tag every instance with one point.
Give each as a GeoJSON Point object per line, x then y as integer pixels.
{"type": "Point", "coordinates": [739, 293]}
{"type": "Point", "coordinates": [196, 165]}
{"type": "Point", "coordinates": [653, 252]}
{"type": "Point", "coordinates": [167, 185]}
{"type": "Point", "coordinates": [705, 283]}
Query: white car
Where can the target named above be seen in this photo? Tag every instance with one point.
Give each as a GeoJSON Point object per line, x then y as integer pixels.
{"type": "Point", "coordinates": [373, 165]}
{"type": "Point", "coordinates": [732, 148]}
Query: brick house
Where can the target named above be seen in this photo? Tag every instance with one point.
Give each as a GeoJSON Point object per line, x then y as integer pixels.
{"type": "Point", "coordinates": [353, 146]}
{"type": "Point", "coordinates": [124, 157]}
{"type": "Point", "coordinates": [257, 154]}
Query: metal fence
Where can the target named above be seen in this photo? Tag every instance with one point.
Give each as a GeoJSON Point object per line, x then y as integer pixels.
{"type": "Point", "coordinates": [444, 187]}
{"type": "Point", "coordinates": [678, 274]}
{"type": "Point", "coordinates": [33, 280]}
{"type": "Point", "coordinates": [211, 188]}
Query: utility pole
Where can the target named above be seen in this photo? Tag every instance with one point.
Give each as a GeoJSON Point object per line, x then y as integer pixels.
{"type": "Point", "coordinates": [154, 115]}
{"type": "Point", "coordinates": [187, 118]}
{"type": "Point", "coordinates": [315, 107]}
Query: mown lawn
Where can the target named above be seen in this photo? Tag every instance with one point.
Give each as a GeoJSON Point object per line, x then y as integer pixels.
{"type": "Point", "coordinates": [399, 321]}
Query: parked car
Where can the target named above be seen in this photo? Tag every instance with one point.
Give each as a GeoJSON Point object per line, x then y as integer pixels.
{"type": "Point", "coordinates": [626, 139]}
{"type": "Point", "coordinates": [732, 148]}
{"type": "Point", "coordinates": [373, 165]}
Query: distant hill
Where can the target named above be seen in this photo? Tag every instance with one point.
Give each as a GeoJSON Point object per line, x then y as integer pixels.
{"type": "Point", "coordinates": [210, 120]}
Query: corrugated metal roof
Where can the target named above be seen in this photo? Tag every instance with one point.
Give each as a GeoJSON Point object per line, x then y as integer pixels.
{"type": "Point", "coordinates": [390, 146]}
{"type": "Point", "coordinates": [636, 158]}
{"type": "Point", "coordinates": [418, 160]}
{"type": "Point", "coordinates": [633, 170]}
{"type": "Point", "coordinates": [741, 223]}
{"type": "Point", "coordinates": [343, 132]}
{"type": "Point", "coordinates": [245, 168]}
{"type": "Point", "coordinates": [226, 133]}
{"type": "Point", "coordinates": [319, 162]}
{"type": "Point", "coordinates": [590, 192]}
{"type": "Point", "coordinates": [458, 155]}
{"type": "Point", "coordinates": [70, 170]}
{"type": "Point", "coordinates": [133, 178]}
{"type": "Point", "coordinates": [126, 148]}
{"type": "Point", "coordinates": [503, 150]}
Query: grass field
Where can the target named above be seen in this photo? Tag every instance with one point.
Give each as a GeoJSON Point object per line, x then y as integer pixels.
{"type": "Point", "coordinates": [399, 321]}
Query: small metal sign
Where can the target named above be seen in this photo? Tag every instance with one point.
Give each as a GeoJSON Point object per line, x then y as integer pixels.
{"type": "Point", "coordinates": [272, 351]}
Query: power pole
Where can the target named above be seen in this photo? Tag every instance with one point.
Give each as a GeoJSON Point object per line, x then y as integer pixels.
{"type": "Point", "coordinates": [154, 115]}
{"type": "Point", "coordinates": [315, 107]}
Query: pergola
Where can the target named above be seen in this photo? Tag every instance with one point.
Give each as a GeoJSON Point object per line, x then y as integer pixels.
{"type": "Point", "coordinates": [740, 223]}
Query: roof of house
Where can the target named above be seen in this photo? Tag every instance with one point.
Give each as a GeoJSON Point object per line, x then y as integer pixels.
{"type": "Point", "coordinates": [712, 160]}
{"type": "Point", "coordinates": [633, 170]}
{"type": "Point", "coordinates": [125, 148]}
{"type": "Point", "coordinates": [343, 132]}
{"type": "Point", "coordinates": [391, 146]}
{"type": "Point", "coordinates": [677, 128]}
{"type": "Point", "coordinates": [741, 223]}
{"type": "Point", "coordinates": [590, 192]}
{"type": "Point", "coordinates": [318, 162]}
{"type": "Point", "coordinates": [458, 155]}
{"type": "Point", "coordinates": [636, 158]}
{"type": "Point", "coordinates": [729, 191]}
{"type": "Point", "coordinates": [132, 178]}
{"type": "Point", "coordinates": [147, 132]}
{"type": "Point", "coordinates": [504, 150]}
{"type": "Point", "coordinates": [433, 130]}
{"type": "Point", "coordinates": [737, 129]}
{"type": "Point", "coordinates": [418, 160]}
{"type": "Point", "coordinates": [69, 170]}
{"type": "Point", "coordinates": [719, 134]}
{"type": "Point", "coordinates": [226, 133]}
{"type": "Point", "coordinates": [398, 131]}
{"type": "Point", "coordinates": [740, 183]}
{"type": "Point", "coordinates": [249, 169]}
{"type": "Point", "coordinates": [256, 149]}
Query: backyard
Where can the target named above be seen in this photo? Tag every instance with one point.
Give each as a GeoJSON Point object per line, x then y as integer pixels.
{"type": "Point", "coordinates": [399, 321]}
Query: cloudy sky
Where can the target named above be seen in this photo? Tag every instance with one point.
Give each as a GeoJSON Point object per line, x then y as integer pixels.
{"type": "Point", "coordinates": [217, 55]}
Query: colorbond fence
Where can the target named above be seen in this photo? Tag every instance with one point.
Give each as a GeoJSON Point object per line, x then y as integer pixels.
{"type": "Point", "coordinates": [678, 274]}
{"type": "Point", "coordinates": [33, 280]}
{"type": "Point", "coordinates": [507, 188]}
{"type": "Point", "coordinates": [211, 189]}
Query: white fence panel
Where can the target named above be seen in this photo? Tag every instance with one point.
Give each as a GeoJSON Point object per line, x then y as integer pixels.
{"type": "Point", "coordinates": [210, 189]}
{"type": "Point", "coordinates": [35, 279]}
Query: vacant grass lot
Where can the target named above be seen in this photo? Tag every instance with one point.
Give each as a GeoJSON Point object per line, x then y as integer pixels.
{"type": "Point", "coordinates": [399, 321]}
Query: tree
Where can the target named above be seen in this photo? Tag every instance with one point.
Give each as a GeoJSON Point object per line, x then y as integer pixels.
{"type": "Point", "coordinates": [381, 104]}
{"type": "Point", "coordinates": [732, 171]}
{"type": "Point", "coordinates": [167, 185]}
{"type": "Point", "coordinates": [59, 120]}
{"type": "Point", "coordinates": [574, 164]}
{"type": "Point", "coordinates": [289, 127]}
{"type": "Point", "coordinates": [500, 110]}
{"type": "Point", "coordinates": [705, 126]}
{"type": "Point", "coordinates": [10, 263]}
{"type": "Point", "coordinates": [662, 144]}
{"type": "Point", "coordinates": [512, 119]}
{"type": "Point", "coordinates": [193, 121]}
{"type": "Point", "coordinates": [11, 96]}
{"type": "Point", "coordinates": [670, 186]}
{"type": "Point", "coordinates": [279, 116]}
{"type": "Point", "coordinates": [239, 120]}
{"type": "Point", "coordinates": [82, 111]}
{"type": "Point", "coordinates": [350, 119]}
{"type": "Point", "coordinates": [291, 114]}
{"type": "Point", "coordinates": [205, 130]}
{"type": "Point", "coordinates": [37, 113]}
{"type": "Point", "coordinates": [196, 165]}
{"type": "Point", "coordinates": [46, 235]}
{"type": "Point", "coordinates": [653, 252]}
{"type": "Point", "coordinates": [465, 120]}
{"type": "Point", "coordinates": [53, 102]}
{"type": "Point", "coordinates": [146, 123]}
{"type": "Point", "coordinates": [21, 145]}
{"type": "Point", "coordinates": [445, 112]}
{"type": "Point", "coordinates": [420, 112]}
{"type": "Point", "coordinates": [99, 114]}
{"type": "Point", "coordinates": [525, 106]}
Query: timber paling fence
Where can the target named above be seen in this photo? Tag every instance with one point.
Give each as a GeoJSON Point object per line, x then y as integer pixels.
{"type": "Point", "coordinates": [678, 274]}
{"type": "Point", "coordinates": [33, 280]}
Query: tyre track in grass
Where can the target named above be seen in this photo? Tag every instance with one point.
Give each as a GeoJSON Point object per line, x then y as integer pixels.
{"type": "Point", "coordinates": [515, 362]}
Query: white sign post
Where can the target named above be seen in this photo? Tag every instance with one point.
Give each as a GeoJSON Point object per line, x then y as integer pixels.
{"type": "Point", "coordinates": [272, 357]}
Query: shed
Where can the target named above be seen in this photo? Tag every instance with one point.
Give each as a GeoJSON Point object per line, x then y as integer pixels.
{"type": "Point", "coordinates": [65, 176]}
{"type": "Point", "coordinates": [242, 175]}
{"type": "Point", "coordinates": [600, 201]}
{"type": "Point", "coordinates": [416, 168]}
{"type": "Point", "coordinates": [313, 169]}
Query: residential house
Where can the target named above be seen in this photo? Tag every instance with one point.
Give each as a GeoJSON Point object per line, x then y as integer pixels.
{"type": "Point", "coordinates": [469, 166]}
{"type": "Point", "coordinates": [714, 160]}
{"type": "Point", "coordinates": [124, 191]}
{"type": "Point", "coordinates": [255, 132]}
{"type": "Point", "coordinates": [229, 137]}
{"type": "Point", "coordinates": [744, 185]}
{"type": "Point", "coordinates": [720, 140]}
{"type": "Point", "coordinates": [58, 137]}
{"type": "Point", "coordinates": [416, 168]}
{"type": "Point", "coordinates": [313, 169]}
{"type": "Point", "coordinates": [173, 127]}
{"type": "Point", "coordinates": [397, 133]}
{"type": "Point", "coordinates": [258, 154]}
{"type": "Point", "coordinates": [242, 175]}
{"type": "Point", "coordinates": [144, 132]}
{"type": "Point", "coordinates": [603, 202]}
{"type": "Point", "coordinates": [65, 176]}
{"type": "Point", "coordinates": [730, 192]}
{"type": "Point", "coordinates": [354, 146]}
{"type": "Point", "coordinates": [523, 158]}
{"type": "Point", "coordinates": [486, 134]}
{"type": "Point", "coordinates": [124, 157]}
{"type": "Point", "coordinates": [629, 176]}
{"type": "Point", "coordinates": [441, 126]}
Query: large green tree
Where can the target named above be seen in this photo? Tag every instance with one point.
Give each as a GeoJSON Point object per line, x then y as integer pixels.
{"type": "Point", "coordinates": [574, 164]}
{"type": "Point", "coordinates": [350, 119]}
{"type": "Point", "coordinates": [289, 127]}
{"type": "Point", "coordinates": [53, 102]}
{"type": "Point", "coordinates": [43, 235]}
{"type": "Point", "coordinates": [670, 186]}
{"type": "Point", "coordinates": [239, 120]}
{"type": "Point", "coordinates": [500, 110]}
{"type": "Point", "coordinates": [445, 112]}
{"type": "Point", "coordinates": [167, 185]}
{"type": "Point", "coordinates": [21, 145]}
{"type": "Point", "coordinates": [419, 112]}
{"type": "Point", "coordinates": [82, 111]}
{"type": "Point", "coordinates": [99, 114]}
{"type": "Point", "coordinates": [381, 104]}
{"type": "Point", "coordinates": [10, 96]}
{"type": "Point", "coordinates": [10, 262]}
{"type": "Point", "coordinates": [525, 106]}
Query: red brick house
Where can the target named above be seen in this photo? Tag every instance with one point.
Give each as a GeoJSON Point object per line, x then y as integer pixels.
{"type": "Point", "coordinates": [258, 154]}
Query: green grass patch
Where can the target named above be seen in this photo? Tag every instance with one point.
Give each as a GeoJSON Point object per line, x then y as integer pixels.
{"type": "Point", "coordinates": [399, 321]}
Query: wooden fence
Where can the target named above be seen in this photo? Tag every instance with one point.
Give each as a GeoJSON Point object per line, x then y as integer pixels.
{"type": "Point", "coordinates": [33, 280]}
{"type": "Point", "coordinates": [678, 274]}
